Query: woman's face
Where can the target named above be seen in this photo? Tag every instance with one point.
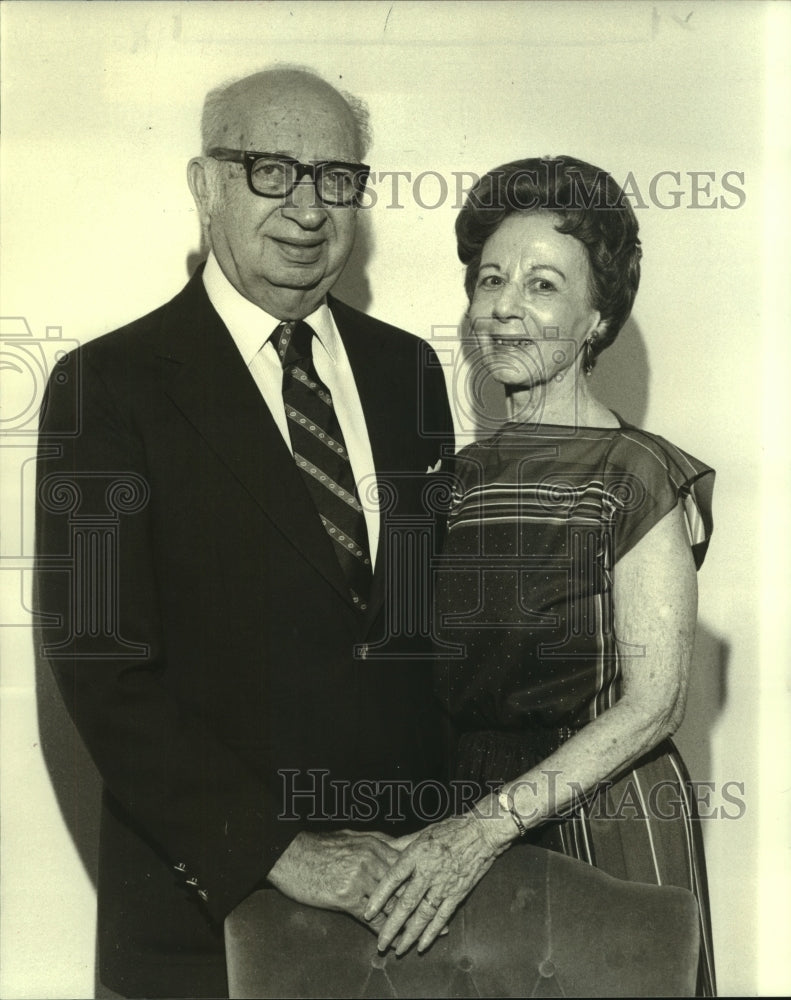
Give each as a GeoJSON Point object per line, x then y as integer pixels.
{"type": "Point", "coordinates": [531, 311]}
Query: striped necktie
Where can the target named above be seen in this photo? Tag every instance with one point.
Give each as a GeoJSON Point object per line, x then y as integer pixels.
{"type": "Point", "coordinates": [321, 455]}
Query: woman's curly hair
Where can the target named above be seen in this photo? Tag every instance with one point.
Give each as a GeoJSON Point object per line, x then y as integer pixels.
{"type": "Point", "coordinates": [590, 206]}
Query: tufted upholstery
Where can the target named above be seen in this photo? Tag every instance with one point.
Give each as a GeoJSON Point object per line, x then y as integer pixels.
{"type": "Point", "coordinates": [538, 925]}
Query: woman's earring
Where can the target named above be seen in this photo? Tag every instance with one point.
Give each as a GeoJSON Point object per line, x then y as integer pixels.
{"type": "Point", "coordinates": [587, 357]}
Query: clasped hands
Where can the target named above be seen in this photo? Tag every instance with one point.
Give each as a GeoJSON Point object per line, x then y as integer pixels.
{"type": "Point", "coordinates": [403, 889]}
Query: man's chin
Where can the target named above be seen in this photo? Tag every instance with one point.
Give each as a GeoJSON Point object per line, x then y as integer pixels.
{"type": "Point", "coordinates": [298, 280]}
{"type": "Point", "coordinates": [290, 296]}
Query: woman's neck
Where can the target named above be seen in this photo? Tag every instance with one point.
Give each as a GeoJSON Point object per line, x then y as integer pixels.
{"type": "Point", "coordinates": [568, 402]}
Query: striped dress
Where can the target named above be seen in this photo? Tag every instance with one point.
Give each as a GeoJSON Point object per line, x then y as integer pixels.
{"type": "Point", "coordinates": [524, 621]}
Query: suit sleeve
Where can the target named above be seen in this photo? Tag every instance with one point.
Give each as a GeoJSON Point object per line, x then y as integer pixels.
{"type": "Point", "coordinates": [203, 809]}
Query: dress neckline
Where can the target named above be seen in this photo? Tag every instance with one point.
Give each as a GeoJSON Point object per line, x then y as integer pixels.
{"type": "Point", "coordinates": [568, 428]}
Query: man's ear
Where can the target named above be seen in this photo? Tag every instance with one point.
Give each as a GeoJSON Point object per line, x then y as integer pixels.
{"type": "Point", "coordinates": [199, 186]}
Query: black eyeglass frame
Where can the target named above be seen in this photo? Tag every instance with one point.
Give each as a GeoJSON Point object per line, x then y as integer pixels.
{"type": "Point", "coordinates": [313, 170]}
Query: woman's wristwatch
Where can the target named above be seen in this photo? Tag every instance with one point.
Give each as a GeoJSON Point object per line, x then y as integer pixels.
{"type": "Point", "coordinates": [506, 800]}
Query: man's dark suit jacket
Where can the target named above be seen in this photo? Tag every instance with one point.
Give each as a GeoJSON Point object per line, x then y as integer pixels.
{"type": "Point", "coordinates": [206, 638]}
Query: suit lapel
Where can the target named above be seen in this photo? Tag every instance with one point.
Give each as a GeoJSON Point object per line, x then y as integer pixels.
{"type": "Point", "coordinates": [208, 381]}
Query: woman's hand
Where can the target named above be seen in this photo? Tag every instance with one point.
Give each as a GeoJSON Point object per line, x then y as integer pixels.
{"type": "Point", "coordinates": [436, 871]}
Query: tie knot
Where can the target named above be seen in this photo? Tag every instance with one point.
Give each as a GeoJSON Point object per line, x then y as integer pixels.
{"type": "Point", "coordinates": [293, 341]}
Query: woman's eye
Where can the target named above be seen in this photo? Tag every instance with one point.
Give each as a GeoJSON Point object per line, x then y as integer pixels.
{"type": "Point", "coordinates": [545, 285]}
{"type": "Point", "coordinates": [490, 281]}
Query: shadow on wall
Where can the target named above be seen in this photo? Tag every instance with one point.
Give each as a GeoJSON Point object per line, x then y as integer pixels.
{"type": "Point", "coordinates": [706, 698]}
{"type": "Point", "coordinates": [621, 376]}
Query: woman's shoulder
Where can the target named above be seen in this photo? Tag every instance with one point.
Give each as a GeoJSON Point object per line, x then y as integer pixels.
{"type": "Point", "coordinates": [656, 476]}
{"type": "Point", "coordinates": [655, 458]}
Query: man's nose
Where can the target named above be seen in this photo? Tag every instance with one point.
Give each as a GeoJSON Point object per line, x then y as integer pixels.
{"type": "Point", "coordinates": [304, 207]}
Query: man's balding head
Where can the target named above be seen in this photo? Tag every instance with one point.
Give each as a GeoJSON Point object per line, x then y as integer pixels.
{"type": "Point", "coordinates": [282, 253]}
{"type": "Point", "coordinates": [225, 106]}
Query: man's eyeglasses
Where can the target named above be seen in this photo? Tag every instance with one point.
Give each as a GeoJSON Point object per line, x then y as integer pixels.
{"type": "Point", "coordinates": [274, 176]}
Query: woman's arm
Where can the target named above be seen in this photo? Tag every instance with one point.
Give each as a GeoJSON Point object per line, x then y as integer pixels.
{"type": "Point", "coordinates": [655, 601]}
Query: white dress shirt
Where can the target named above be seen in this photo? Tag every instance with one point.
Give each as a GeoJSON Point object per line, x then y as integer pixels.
{"type": "Point", "coordinates": [251, 327]}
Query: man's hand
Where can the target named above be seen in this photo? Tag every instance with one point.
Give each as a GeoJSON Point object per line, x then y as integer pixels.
{"type": "Point", "coordinates": [335, 871]}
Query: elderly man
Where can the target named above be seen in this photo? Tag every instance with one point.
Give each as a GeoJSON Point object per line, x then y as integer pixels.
{"type": "Point", "coordinates": [205, 479]}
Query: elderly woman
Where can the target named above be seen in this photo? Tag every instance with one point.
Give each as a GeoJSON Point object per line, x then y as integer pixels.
{"type": "Point", "coordinates": [567, 591]}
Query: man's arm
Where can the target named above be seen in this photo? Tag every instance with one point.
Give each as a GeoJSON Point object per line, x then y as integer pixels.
{"type": "Point", "coordinates": [206, 812]}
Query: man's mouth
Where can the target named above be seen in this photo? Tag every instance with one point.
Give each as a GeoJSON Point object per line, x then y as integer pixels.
{"type": "Point", "coordinates": [301, 251]}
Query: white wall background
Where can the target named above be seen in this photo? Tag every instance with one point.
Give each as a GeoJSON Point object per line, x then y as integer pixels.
{"type": "Point", "coordinates": [100, 109]}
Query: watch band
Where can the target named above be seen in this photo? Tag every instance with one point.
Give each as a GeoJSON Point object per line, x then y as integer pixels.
{"type": "Point", "coordinates": [506, 801]}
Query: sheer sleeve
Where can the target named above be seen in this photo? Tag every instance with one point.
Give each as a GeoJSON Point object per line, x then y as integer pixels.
{"type": "Point", "coordinates": [656, 476]}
